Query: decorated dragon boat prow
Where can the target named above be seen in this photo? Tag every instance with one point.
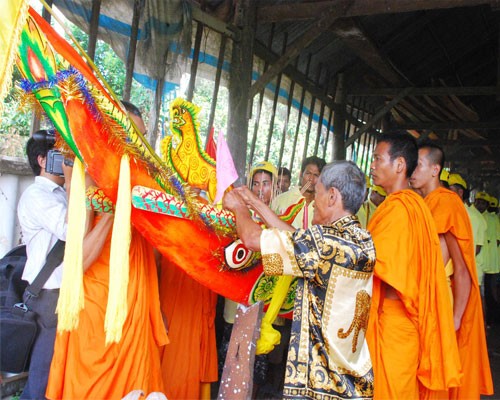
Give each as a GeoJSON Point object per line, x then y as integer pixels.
{"type": "Point", "coordinates": [166, 209]}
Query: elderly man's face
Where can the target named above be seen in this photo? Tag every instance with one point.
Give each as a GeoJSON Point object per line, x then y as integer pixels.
{"type": "Point", "coordinates": [322, 214]}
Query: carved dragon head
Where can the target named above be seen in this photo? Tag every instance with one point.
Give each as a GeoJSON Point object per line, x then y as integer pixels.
{"type": "Point", "coordinates": [183, 117]}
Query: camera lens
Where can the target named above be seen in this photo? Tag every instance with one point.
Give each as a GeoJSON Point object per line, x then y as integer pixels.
{"type": "Point", "coordinates": [45, 135]}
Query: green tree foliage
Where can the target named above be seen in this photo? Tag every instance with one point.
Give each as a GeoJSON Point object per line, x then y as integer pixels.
{"type": "Point", "coordinates": [114, 72]}
{"type": "Point", "coordinates": [15, 124]}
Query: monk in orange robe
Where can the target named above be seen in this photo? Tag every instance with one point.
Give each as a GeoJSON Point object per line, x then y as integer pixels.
{"type": "Point", "coordinates": [410, 329]}
{"type": "Point", "coordinates": [458, 251]}
{"type": "Point", "coordinates": [83, 366]}
{"type": "Point", "coordinates": [189, 362]}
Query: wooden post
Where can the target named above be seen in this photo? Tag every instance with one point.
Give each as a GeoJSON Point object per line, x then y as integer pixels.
{"type": "Point", "coordinates": [154, 114]}
{"type": "Point", "coordinates": [301, 107]}
{"type": "Point", "coordinates": [285, 124]}
{"type": "Point", "coordinates": [349, 122]}
{"type": "Point", "coordinates": [367, 158]}
{"type": "Point", "coordinates": [132, 46]}
{"type": "Point", "coordinates": [311, 114]}
{"type": "Point", "coordinates": [239, 83]}
{"type": "Point", "coordinates": [259, 105]}
{"type": "Point", "coordinates": [332, 111]}
{"type": "Point", "coordinates": [94, 27]}
{"type": "Point", "coordinates": [321, 115]}
{"type": "Point", "coordinates": [362, 111]}
{"type": "Point", "coordinates": [275, 103]}
{"type": "Point", "coordinates": [339, 120]}
{"type": "Point", "coordinates": [237, 377]}
{"type": "Point", "coordinates": [194, 63]}
{"type": "Point", "coordinates": [328, 128]}
{"type": "Point", "coordinates": [215, 94]}
{"type": "Point", "coordinates": [364, 150]}
{"type": "Point", "coordinates": [320, 128]}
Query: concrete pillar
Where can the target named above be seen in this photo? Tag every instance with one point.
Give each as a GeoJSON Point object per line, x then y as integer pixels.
{"type": "Point", "coordinates": [9, 197]}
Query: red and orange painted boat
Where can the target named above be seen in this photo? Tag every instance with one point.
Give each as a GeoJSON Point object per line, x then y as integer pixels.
{"type": "Point", "coordinates": [193, 236]}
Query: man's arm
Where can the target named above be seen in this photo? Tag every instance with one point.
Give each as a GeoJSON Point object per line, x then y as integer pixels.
{"type": "Point", "coordinates": [94, 240]}
{"type": "Point", "coordinates": [95, 237]}
{"type": "Point", "coordinates": [444, 249]}
{"type": "Point", "coordinates": [268, 216]}
{"type": "Point", "coordinates": [461, 278]}
{"type": "Point", "coordinates": [248, 231]}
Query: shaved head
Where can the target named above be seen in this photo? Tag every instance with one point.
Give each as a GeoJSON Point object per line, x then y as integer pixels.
{"type": "Point", "coordinates": [435, 154]}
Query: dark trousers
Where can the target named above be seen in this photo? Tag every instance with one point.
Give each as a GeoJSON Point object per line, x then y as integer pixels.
{"type": "Point", "coordinates": [490, 298]}
{"type": "Point", "coordinates": [41, 357]}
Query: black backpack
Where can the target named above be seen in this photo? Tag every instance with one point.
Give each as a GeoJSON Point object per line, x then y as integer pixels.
{"type": "Point", "coordinates": [11, 270]}
{"type": "Point", "coordinates": [18, 321]}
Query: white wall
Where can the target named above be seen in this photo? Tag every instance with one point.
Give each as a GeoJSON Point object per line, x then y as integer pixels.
{"type": "Point", "coordinates": [13, 181]}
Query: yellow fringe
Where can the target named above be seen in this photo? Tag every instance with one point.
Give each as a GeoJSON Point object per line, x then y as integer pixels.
{"type": "Point", "coordinates": [270, 337]}
{"type": "Point", "coordinates": [11, 27]}
{"type": "Point", "coordinates": [71, 299]}
{"type": "Point", "coordinates": [116, 311]}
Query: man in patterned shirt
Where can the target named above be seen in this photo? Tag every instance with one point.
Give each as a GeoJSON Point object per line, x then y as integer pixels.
{"type": "Point", "coordinates": [328, 356]}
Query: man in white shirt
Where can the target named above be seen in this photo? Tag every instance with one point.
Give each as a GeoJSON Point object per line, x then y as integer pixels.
{"type": "Point", "coordinates": [42, 215]}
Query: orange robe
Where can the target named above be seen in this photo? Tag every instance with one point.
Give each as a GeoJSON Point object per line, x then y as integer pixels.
{"type": "Point", "coordinates": [411, 340]}
{"type": "Point", "coordinates": [450, 215]}
{"type": "Point", "coordinates": [190, 360]}
{"type": "Point", "coordinates": [83, 367]}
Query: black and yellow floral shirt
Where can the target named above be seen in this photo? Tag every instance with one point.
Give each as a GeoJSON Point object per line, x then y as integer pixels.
{"type": "Point", "coordinates": [328, 356]}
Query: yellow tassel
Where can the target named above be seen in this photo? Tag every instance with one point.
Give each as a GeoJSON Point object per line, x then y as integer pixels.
{"type": "Point", "coordinates": [116, 311]}
{"type": "Point", "coordinates": [71, 299]}
{"type": "Point", "coordinates": [270, 337]}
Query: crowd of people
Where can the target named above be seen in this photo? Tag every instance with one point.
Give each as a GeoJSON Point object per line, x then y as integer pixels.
{"type": "Point", "coordinates": [390, 273]}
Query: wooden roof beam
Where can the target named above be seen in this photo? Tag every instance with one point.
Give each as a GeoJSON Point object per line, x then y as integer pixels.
{"type": "Point", "coordinates": [470, 142]}
{"type": "Point", "coordinates": [331, 14]}
{"type": "Point", "coordinates": [448, 125]}
{"type": "Point", "coordinates": [304, 11]}
{"type": "Point", "coordinates": [214, 23]}
{"type": "Point", "coordinates": [431, 91]}
{"type": "Point", "coordinates": [477, 163]}
{"type": "Point", "coordinates": [352, 36]}
{"type": "Point", "coordinates": [378, 116]}
{"type": "Point", "coordinates": [261, 51]}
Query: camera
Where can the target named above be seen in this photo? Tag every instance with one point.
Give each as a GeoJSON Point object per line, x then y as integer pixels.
{"type": "Point", "coordinates": [44, 135]}
{"type": "Point", "coordinates": [54, 163]}
{"type": "Point", "coordinates": [54, 158]}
